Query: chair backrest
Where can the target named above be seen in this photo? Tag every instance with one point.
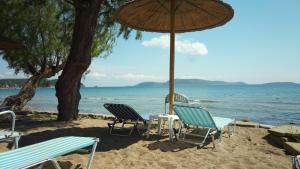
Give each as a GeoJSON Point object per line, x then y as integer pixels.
{"type": "Point", "coordinates": [123, 112]}
{"type": "Point", "coordinates": [194, 115]}
{"type": "Point", "coordinates": [178, 98]}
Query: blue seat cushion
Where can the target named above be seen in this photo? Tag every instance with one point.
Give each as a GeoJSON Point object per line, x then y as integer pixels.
{"type": "Point", "coordinates": [222, 121]}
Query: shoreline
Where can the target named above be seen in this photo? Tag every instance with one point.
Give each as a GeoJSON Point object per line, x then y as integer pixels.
{"type": "Point", "coordinates": [103, 116]}
{"type": "Point", "coordinates": [81, 114]}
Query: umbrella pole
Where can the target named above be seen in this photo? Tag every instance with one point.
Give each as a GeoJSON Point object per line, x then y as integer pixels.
{"type": "Point", "coordinates": [172, 57]}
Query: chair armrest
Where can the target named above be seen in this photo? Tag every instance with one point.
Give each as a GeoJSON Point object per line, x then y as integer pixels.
{"type": "Point", "coordinates": [13, 115]}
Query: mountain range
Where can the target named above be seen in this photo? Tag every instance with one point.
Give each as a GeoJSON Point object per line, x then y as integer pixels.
{"type": "Point", "coordinates": [201, 82]}
{"type": "Point", "coordinates": [18, 83]}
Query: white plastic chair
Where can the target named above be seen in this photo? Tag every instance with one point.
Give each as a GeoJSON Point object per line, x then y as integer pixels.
{"type": "Point", "coordinates": [296, 162]}
{"type": "Point", "coordinates": [178, 98]}
{"type": "Point", "coordinates": [11, 134]}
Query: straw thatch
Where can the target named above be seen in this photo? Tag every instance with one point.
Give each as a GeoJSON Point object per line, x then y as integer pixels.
{"type": "Point", "coordinates": [190, 15]}
{"type": "Point", "coordinates": [6, 43]}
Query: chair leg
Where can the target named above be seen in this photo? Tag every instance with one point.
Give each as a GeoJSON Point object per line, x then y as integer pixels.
{"type": "Point", "coordinates": [149, 128]}
{"type": "Point", "coordinates": [112, 126]}
{"type": "Point", "coordinates": [55, 164]}
{"type": "Point", "coordinates": [41, 166]}
{"type": "Point", "coordinates": [229, 131]}
{"type": "Point", "coordinates": [17, 142]}
{"type": "Point", "coordinates": [221, 135]}
{"type": "Point", "coordinates": [91, 156]}
{"type": "Point", "coordinates": [296, 162]}
{"type": "Point", "coordinates": [206, 135]}
{"type": "Point", "coordinates": [213, 140]}
{"type": "Point", "coordinates": [123, 124]}
{"type": "Point", "coordinates": [159, 126]}
{"type": "Point", "coordinates": [177, 135]}
{"type": "Point", "coordinates": [111, 129]}
{"type": "Point", "coordinates": [132, 129]}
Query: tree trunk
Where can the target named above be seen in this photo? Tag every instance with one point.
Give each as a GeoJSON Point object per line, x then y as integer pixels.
{"type": "Point", "coordinates": [79, 59]}
{"type": "Point", "coordinates": [27, 92]}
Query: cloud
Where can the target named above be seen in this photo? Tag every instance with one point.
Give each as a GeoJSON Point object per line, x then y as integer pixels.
{"type": "Point", "coordinates": [9, 74]}
{"type": "Point", "coordinates": [127, 76]}
{"type": "Point", "coordinates": [96, 75]}
{"type": "Point", "coordinates": [138, 77]}
{"type": "Point", "coordinates": [162, 41]}
{"type": "Point", "coordinates": [182, 46]}
{"type": "Point", "coordinates": [192, 48]}
{"type": "Point", "coordinates": [120, 79]}
{"type": "Point", "coordinates": [117, 75]}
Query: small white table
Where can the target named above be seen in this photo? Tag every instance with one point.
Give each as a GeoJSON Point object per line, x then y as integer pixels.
{"type": "Point", "coordinates": [161, 118]}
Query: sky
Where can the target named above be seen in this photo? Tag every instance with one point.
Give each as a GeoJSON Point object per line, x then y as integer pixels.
{"type": "Point", "coordinates": [260, 44]}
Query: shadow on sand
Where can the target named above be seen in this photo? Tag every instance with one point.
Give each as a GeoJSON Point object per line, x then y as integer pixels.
{"type": "Point", "coordinates": [167, 146]}
{"type": "Point", "coordinates": [107, 141]}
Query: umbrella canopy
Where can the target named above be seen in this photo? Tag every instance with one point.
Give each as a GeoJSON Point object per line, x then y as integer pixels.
{"type": "Point", "coordinates": [174, 16]}
{"type": "Point", "coordinates": [190, 15]}
{"type": "Point", "coordinates": [6, 43]}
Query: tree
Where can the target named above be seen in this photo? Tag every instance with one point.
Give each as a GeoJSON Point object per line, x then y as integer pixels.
{"type": "Point", "coordinates": [45, 28]}
{"type": "Point", "coordinates": [90, 16]}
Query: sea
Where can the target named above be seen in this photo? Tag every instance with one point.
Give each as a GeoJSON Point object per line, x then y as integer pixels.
{"type": "Point", "coordinates": [267, 104]}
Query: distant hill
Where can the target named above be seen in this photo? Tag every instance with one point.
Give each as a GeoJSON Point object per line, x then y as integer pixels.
{"type": "Point", "coordinates": [188, 83]}
{"type": "Point", "coordinates": [18, 83]}
{"type": "Point", "coordinates": [279, 83]}
{"type": "Point", "coordinates": [201, 82]}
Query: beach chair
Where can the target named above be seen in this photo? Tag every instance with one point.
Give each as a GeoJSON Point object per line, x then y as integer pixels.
{"type": "Point", "coordinates": [178, 98]}
{"type": "Point", "coordinates": [38, 154]}
{"type": "Point", "coordinates": [195, 117]}
{"type": "Point", "coordinates": [296, 162]}
{"type": "Point", "coordinates": [124, 114]}
{"type": "Point", "coordinates": [11, 134]}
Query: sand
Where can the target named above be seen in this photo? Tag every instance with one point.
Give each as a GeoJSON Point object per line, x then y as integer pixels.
{"type": "Point", "coordinates": [247, 148]}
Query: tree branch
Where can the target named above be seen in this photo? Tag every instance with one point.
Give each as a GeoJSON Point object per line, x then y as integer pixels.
{"type": "Point", "coordinates": [70, 2]}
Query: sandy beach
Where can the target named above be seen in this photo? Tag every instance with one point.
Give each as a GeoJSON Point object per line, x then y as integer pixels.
{"type": "Point", "coordinates": [247, 148]}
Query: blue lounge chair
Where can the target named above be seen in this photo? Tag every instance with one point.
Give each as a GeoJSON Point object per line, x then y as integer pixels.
{"type": "Point", "coordinates": [123, 114]}
{"type": "Point", "coordinates": [193, 116]}
{"type": "Point", "coordinates": [38, 154]}
{"type": "Point", "coordinates": [11, 134]}
{"type": "Point", "coordinates": [296, 162]}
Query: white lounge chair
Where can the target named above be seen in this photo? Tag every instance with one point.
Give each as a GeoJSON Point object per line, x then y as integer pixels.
{"type": "Point", "coordinates": [38, 154]}
{"type": "Point", "coordinates": [11, 134]}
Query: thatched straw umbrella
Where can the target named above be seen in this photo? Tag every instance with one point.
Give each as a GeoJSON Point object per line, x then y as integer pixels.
{"type": "Point", "coordinates": [174, 16]}
{"type": "Point", "coordinates": [7, 44]}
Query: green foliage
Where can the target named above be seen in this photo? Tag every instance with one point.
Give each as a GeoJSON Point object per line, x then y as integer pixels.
{"type": "Point", "coordinates": [45, 27]}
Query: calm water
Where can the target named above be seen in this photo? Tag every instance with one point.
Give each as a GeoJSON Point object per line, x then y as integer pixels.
{"type": "Point", "coordinates": [265, 104]}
